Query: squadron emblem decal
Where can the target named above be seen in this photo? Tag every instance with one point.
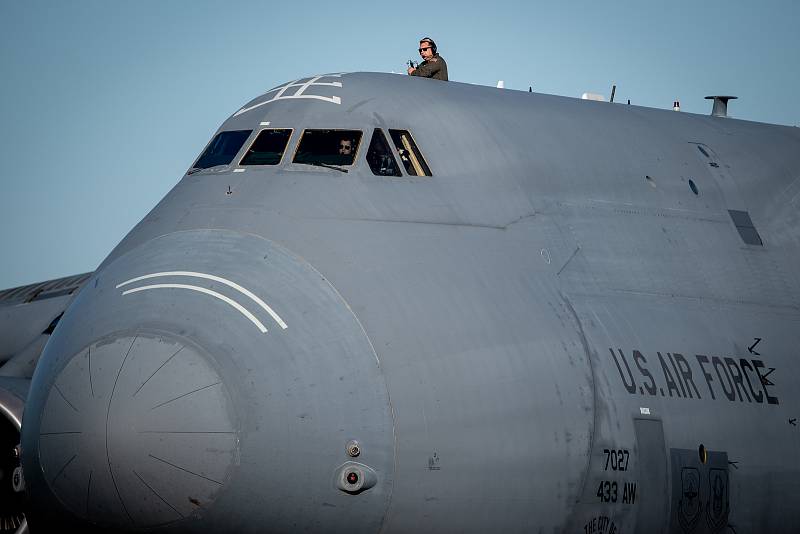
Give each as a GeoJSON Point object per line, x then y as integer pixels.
{"type": "Point", "coordinates": [717, 507]}
{"type": "Point", "coordinates": [689, 505]}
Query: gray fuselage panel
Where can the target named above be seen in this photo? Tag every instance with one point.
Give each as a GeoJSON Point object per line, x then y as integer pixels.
{"type": "Point", "coordinates": [555, 295]}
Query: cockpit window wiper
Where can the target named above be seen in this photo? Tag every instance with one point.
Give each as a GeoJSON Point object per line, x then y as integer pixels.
{"type": "Point", "coordinates": [326, 165]}
{"type": "Point", "coordinates": [198, 169]}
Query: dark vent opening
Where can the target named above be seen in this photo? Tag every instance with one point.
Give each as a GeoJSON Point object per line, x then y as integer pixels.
{"type": "Point", "coordinates": [746, 228]}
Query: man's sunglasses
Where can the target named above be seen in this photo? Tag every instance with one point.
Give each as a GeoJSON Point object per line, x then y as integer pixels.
{"type": "Point", "coordinates": [421, 49]}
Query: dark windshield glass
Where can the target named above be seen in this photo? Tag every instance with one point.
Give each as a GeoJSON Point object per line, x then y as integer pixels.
{"type": "Point", "coordinates": [328, 147]}
{"type": "Point", "coordinates": [268, 148]}
{"type": "Point", "coordinates": [409, 153]}
{"type": "Point", "coordinates": [380, 158]}
{"type": "Point", "coordinates": [222, 149]}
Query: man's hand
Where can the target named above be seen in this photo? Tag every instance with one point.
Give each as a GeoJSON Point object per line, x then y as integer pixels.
{"type": "Point", "coordinates": [411, 70]}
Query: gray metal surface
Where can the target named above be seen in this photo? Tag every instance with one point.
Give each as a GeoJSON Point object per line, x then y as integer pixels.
{"type": "Point", "coordinates": [651, 489]}
{"type": "Point", "coordinates": [490, 335]}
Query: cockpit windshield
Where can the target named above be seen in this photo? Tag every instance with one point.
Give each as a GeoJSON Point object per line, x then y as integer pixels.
{"type": "Point", "coordinates": [268, 147]}
{"type": "Point", "coordinates": [328, 147]}
{"type": "Point", "coordinates": [379, 156]}
{"type": "Point", "coordinates": [222, 149]}
{"type": "Point", "coordinates": [409, 153]}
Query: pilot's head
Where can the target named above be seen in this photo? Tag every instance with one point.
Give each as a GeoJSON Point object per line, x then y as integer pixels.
{"type": "Point", "coordinates": [427, 48]}
{"type": "Point", "coordinates": [346, 147]}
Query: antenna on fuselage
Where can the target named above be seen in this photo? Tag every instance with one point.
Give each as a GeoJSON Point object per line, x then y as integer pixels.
{"type": "Point", "coordinates": [613, 91]}
{"type": "Point", "coordinates": [720, 108]}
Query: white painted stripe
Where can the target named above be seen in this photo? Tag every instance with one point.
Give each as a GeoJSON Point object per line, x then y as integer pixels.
{"type": "Point", "coordinates": [239, 170]}
{"type": "Point", "coordinates": [251, 108]}
{"type": "Point", "coordinates": [264, 123]}
{"type": "Point", "coordinates": [223, 298]}
{"type": "Point", "coordinates": [280, 90]}
{"type": "Point", "coordinates": [331, 99]}
{"type": "Point", "coordinates": [309, 83]}
{"type": "Point", "coordinates": [299, 93]}
{"type": "Point", "coordinates": [225, 281]}
{"type": "Point", "coordinates": [283, 89]}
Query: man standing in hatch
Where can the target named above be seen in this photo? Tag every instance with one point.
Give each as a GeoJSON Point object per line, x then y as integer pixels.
{"type": "Point", "coordinates": [433, 65]}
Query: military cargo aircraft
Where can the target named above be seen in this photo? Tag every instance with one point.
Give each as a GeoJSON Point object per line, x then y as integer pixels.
{"type": "Point", "coordinates": [379, 303]}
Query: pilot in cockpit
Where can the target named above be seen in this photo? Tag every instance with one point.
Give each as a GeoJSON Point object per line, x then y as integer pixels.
{"type": "Point", "coordinates": [345, 147]}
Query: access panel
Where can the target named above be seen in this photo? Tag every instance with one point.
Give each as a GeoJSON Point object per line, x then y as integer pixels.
{"type": "Point", "coordinates": [652, 498]}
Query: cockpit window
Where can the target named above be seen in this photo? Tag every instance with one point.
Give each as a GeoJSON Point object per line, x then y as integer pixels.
{"type": "Point", "coordinates": [379, 156]}
{"type": "Point", "coordinates": [268, 147]}
{"type": "Point", "coordinates": [222, 149]}
{"type": "Point", "coordinates": [409, 153]}
{"type": "Point", "coordinates": [328, 147]}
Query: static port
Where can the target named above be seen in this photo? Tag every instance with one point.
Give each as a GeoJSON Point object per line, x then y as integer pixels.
{"type": "Point", "coordinates": [353, 448]}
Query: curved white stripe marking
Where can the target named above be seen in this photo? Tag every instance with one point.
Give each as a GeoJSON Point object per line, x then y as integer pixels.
{"type": "Point", "coordinates": [228, 283]}
{"type": "Point", "coordinates": [223, 298]}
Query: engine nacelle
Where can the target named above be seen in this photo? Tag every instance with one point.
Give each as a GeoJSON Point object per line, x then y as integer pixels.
{"type": "Point", "coordinates": [13, 392]}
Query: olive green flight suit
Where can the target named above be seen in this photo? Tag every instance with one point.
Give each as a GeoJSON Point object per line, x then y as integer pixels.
{"type": "Point", "coordinates": [435, 68]}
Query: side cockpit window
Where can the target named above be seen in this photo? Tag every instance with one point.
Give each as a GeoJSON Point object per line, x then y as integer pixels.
{"type": "Point", "coordinates": [328, 147]}
{"type": "Point", "coordinates": [268, 147]}
{"type": "Point", "coordinates": [221, 150]}
{"type": "Point", "coordinates": [380, 158]}
{"type": "Point", "coordinates": [410, 155]}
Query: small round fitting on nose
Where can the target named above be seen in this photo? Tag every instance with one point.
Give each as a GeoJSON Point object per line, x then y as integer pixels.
{"type": "Point", "coordinates": [18, 480]}
{"type": "Point", "coordinates": [353, 477]}
{"type": "Point", "coordinates": [353, 448]}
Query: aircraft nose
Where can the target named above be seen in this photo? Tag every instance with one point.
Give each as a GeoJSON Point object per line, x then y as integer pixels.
{"type": "Point", "coordinates": [137, 431]}
{"type": "Point", "coordinates": [209, 381]}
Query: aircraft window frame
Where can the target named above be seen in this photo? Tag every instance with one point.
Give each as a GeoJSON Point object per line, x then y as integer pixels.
{"type": "Point", "coordinates": [355, 156]}
{"type": "Point", "coordinates": [388, 145]}
{"type": "Point", "coordinates": [416, 154]}
{"type": "Point", "coordinates": [194, 169]}
{"type": "Point", "coordinates": [283, 153]}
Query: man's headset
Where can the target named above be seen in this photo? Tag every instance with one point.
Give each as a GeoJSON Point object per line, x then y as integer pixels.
{"type": "Point", "coordinates": [433, 48]}
{"type": "Point", "coordinates": [430, 42]}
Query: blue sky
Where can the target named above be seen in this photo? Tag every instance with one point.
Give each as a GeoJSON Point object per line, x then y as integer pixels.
{"type": "Point", "coordinates": [104, 104]}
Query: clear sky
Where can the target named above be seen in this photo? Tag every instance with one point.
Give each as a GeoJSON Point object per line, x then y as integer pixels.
{"type": "Point", "coordinates": [104, 104]}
